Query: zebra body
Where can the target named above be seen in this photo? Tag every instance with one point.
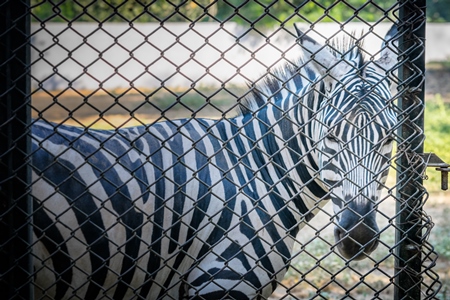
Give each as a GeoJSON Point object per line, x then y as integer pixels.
{"type": "Point", "coordinates": [195, 207]}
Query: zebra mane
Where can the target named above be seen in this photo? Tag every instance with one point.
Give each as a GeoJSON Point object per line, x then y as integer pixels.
{"type": "Point", "coordinates": [272, 84]}
{"type": "Point", "coordinates": [349, 48]}
{"type": "Point", "coordinates": [299, 73]}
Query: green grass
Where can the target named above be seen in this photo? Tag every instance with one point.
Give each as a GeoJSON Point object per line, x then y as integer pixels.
{"type": "Point", "coordinates": [439, 65]}
{"type": "Point", "coordinates": [437, 132]}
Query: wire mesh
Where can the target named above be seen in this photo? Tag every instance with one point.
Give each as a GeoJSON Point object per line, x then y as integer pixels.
{"type": "Point", "coordinates": [180, 149]}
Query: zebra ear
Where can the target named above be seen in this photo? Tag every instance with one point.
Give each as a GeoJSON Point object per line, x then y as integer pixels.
{"type": "Point", "coordinates": [388, 58]}
{"type": "Point", "coordinates": [321, 58]}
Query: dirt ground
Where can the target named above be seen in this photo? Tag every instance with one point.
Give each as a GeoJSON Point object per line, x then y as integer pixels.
{"type": "Point", "coordinates": [102, 110]}
{"type": "Point", "coordinates": [438, 208]}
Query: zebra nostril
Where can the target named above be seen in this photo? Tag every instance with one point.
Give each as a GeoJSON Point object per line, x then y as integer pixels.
{"type": "Point", "coordinates": [372, 245]}
{"type": "Point", "coordinates": [341, 239]}
{"type": "Point", "coordinates": [339, 234]}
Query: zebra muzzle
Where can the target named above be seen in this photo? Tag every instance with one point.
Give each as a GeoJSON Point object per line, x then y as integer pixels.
{"type": "Point", "coordinates": [357, 242]}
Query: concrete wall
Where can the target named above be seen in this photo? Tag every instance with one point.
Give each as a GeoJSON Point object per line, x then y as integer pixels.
{"type": "Point", "coordinates": [115, 55]}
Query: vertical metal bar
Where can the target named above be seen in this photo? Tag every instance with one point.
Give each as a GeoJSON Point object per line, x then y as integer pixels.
{"type": "Point", "coordinates": [410, 191]}
{"type": "Point", "coordinates": [15, 201]}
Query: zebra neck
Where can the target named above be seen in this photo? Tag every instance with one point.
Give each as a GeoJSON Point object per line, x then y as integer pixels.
{"type": "Point", "coordinates": [281, 148]}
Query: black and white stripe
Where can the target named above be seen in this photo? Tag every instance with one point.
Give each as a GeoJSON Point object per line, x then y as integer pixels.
{"type": "Point", "coordinates": [198, 208]}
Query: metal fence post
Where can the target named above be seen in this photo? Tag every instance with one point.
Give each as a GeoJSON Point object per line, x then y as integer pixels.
{"type": "Point", "coordinates": [408, 275]}
{"type": "Point", "coordinates": [15, 202]}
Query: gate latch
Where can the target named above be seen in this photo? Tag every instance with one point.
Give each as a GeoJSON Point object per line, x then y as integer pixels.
{"type": "Point", "coordinates": [434, 161]}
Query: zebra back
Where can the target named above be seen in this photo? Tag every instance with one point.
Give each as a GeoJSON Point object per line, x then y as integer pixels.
{"type": "Point", "coordinates": [184, 208]}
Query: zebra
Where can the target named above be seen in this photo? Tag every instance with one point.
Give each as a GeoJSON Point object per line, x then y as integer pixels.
{"type": "Point", "coordinates": [210, 209]}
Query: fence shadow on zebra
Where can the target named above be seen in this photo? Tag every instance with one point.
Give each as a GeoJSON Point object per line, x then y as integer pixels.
{"type": "Point", "coordinates": [210, 209]}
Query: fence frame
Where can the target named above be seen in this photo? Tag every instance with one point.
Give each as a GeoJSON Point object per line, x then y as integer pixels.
{"type": "Point", "coordinates": [410, 191]}
{"type": "Point", "coordinates": [15, 115]}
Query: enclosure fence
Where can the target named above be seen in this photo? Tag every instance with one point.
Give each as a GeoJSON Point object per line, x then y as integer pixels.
{"type": "Point", "coordinates": [180, 149]}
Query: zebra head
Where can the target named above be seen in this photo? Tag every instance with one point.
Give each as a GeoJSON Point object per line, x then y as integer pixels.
{"type": "Point", "coordinates": [353, 135]}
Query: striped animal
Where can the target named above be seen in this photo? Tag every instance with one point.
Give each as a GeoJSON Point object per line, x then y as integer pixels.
{"type": "Point", "coordinates": [207, 209]}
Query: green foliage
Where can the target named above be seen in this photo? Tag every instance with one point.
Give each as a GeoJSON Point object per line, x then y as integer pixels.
{"type": "Point", "coordinates": [122, 11]}
{"type": "Point", "coordinates": [438, 10]}
{"type": "Point", "coordinates": [437, 131]}
{"type": "Point", "coordinates": [261, 13]}
{"type": "Point", "coordinates": [281, 12]}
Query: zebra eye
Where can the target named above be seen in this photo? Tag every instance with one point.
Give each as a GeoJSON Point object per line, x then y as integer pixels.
{"type": "Point", "coordinates": [331, 137]}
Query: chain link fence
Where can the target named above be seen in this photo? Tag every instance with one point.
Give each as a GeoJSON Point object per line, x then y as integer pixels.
{"type": "Point", "coordinates": [180, 149]}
